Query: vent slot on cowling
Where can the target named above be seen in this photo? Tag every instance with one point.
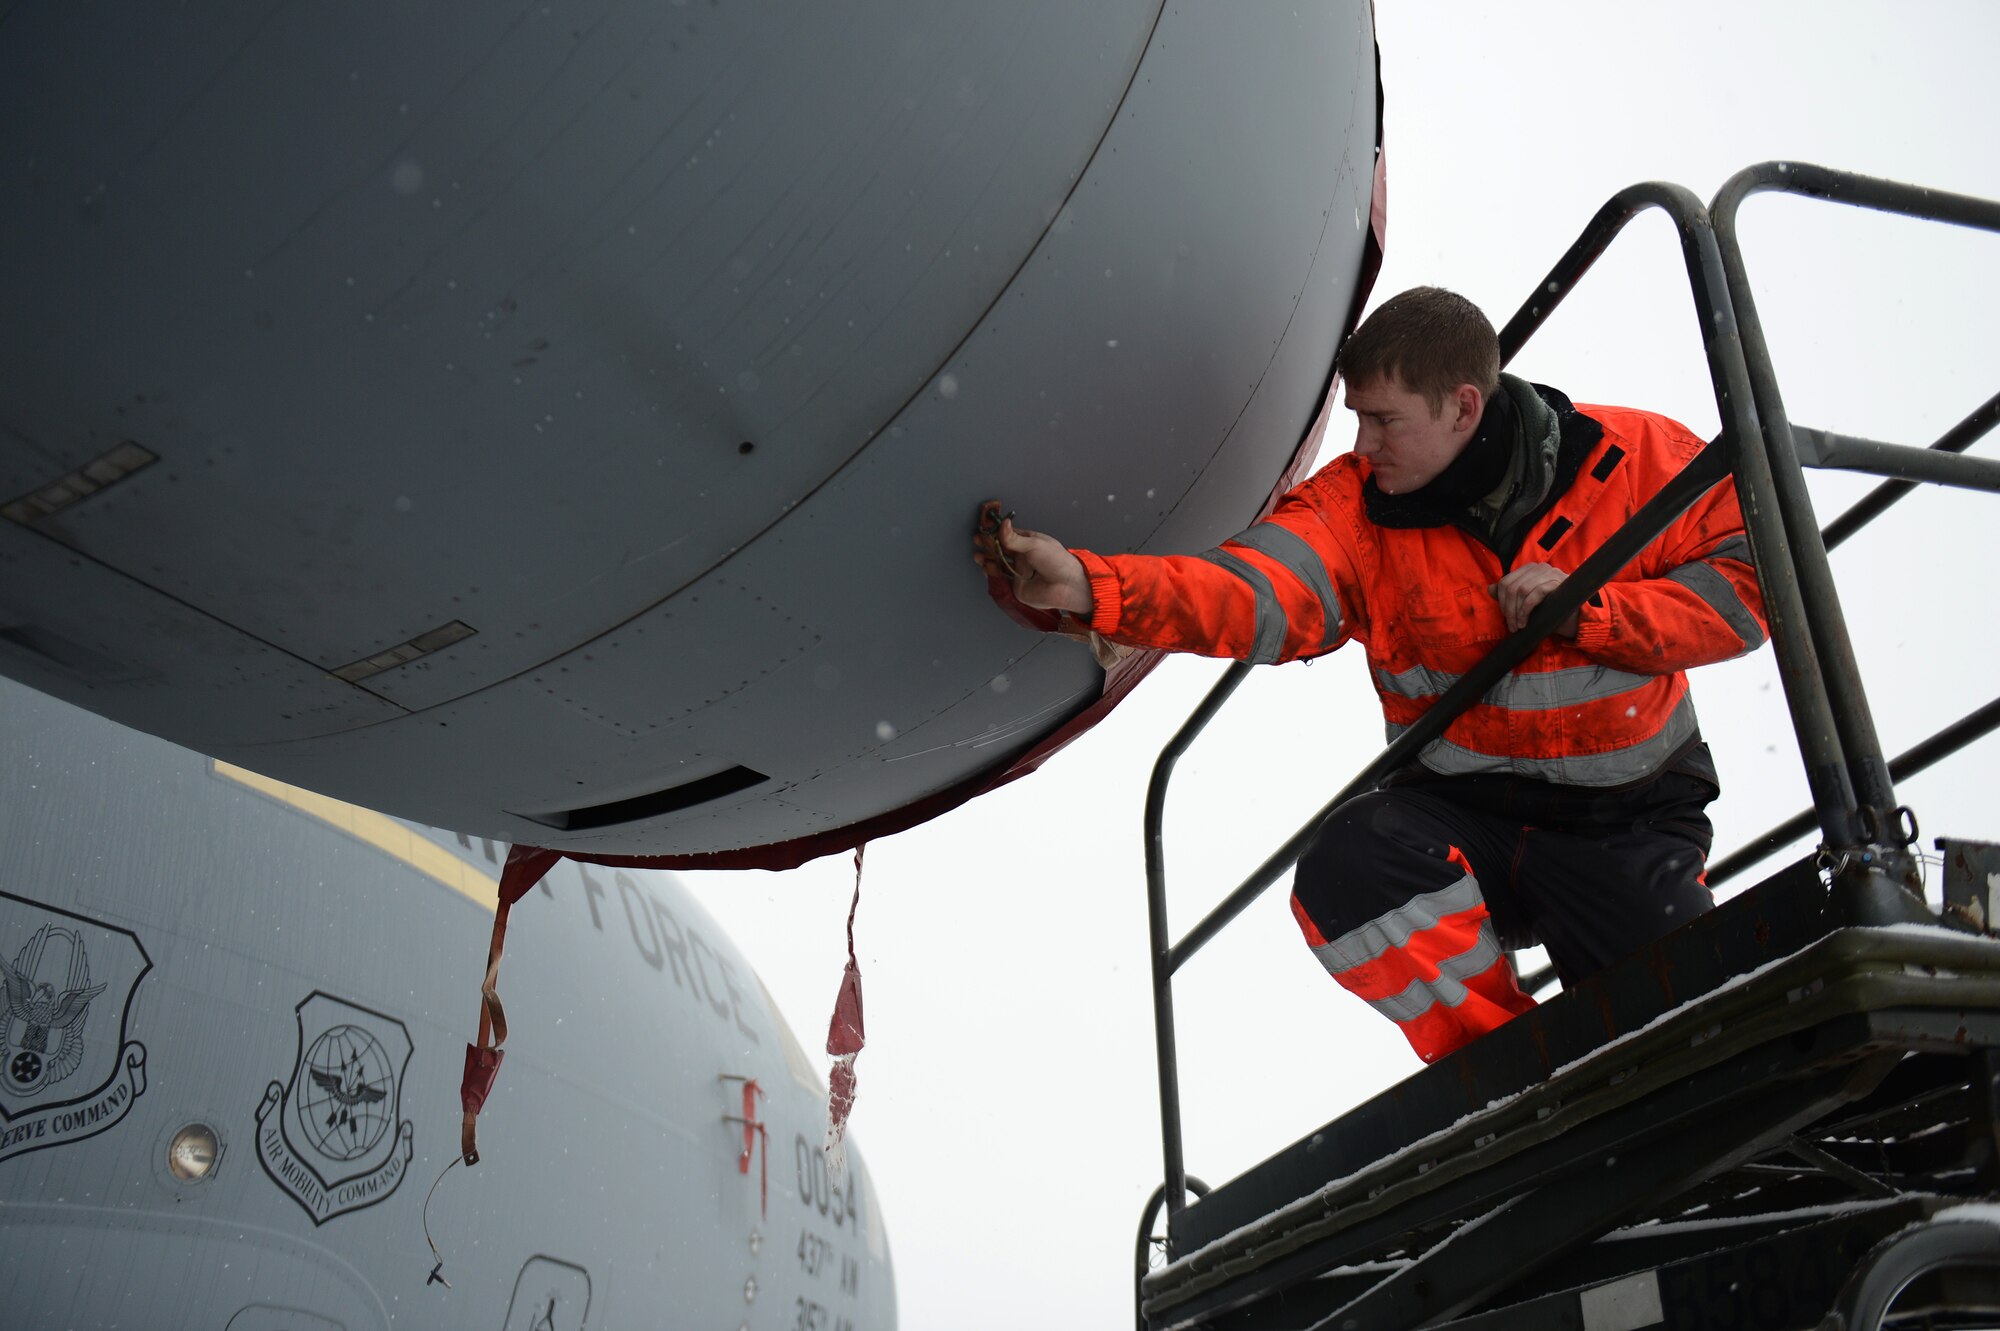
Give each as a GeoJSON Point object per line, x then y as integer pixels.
{"type": "Point", "coordinates": [671, 800]}
{"type": "Point", "coordinates": [80, 484]}
{"type": "Point", "coordinates": [423, 644]}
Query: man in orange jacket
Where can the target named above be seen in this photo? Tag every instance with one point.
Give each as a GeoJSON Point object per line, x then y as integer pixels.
{"type": "Point", "coordinates": [1567, 803]}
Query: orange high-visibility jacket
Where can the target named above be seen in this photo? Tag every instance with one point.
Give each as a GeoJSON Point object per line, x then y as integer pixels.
{"type": "Point", "coordinates": [1608, 709]}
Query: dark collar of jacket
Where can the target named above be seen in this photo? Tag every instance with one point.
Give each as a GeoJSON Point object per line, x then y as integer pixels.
{"type": "Point", "coordinates": [1453, 496]}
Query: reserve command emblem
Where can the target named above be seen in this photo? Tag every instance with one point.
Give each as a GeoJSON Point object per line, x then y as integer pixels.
{"type": "Point", "coordinates": [66, 1069]}
{"type": "Point", "coordinates": [332, 1138]}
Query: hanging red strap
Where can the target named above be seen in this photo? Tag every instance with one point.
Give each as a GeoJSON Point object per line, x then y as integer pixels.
{"type": "Point", "coordinates": [754, 1133]}
{"type": "Point", "coordinates": [524, 868]}
{"type": "Point", "coordinates": [845, 1034]}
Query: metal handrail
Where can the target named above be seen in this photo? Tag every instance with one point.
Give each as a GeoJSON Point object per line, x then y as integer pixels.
{"type": "Point", "coordinates": [1974, 725]}
{"type": "Point", "coordinates": [1875, 893]}
{"type": "Point", "coordinates": [1831, 450]}
{"type": "Point", "coordinates": [1143, 1252]}
{"type": "Point", "coordinates": [1877, 501]}
{"type": "Point", "coordinates": [1771, 512]}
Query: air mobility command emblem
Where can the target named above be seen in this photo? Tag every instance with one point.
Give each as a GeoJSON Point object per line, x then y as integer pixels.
{"type": "Point", "coordinates": [66, 1069]}
{"type": "Point", "coordinates": [332, 1138]}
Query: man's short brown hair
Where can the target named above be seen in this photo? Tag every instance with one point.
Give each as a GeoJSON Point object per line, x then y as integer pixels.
{"type": "Point", "coordinates": [1431, 339]}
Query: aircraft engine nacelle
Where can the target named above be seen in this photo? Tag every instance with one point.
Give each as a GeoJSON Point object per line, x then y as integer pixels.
{"type": "Point", "coordinates": [564, 423]}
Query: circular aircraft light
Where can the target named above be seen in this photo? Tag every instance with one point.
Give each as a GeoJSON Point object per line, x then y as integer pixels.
{"type": "Point", "coordinates": [192, 1152]}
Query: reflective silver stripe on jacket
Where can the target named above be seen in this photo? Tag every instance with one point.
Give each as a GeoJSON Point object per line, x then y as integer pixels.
{"type": "Point", "coordinates": [1736, 547]}
{"type": "Point", "coordinates": [1720, 596]}
{"type": "Point", "coordinates": [1448, 989]}
{"type": "Point", "coordinates": [1269, 644]}
{"type": "Point", "coordinates": [1393, 930]}
{"type": "Point", "coordinates": [1419, 681]}
{"type": "Point", "coordinates": [1530, 692]}
{"type": "Point", "coordinates": [1291, 550]}
{"type": "Point", "coordinates": [1616, 768]}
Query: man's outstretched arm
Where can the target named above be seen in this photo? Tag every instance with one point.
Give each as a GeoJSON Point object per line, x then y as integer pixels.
{"type": "Point", "coordinates": [1272, 593]}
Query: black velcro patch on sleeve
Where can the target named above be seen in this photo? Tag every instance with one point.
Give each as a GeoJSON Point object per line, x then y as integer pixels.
{"type": "Point", "coordinates": [1608, 463]}
{"type": "Point", "coordinates": [1554, 533]}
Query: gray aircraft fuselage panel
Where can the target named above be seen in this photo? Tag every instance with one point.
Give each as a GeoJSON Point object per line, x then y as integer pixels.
{"type": "Point", "coordinates": [564, 424]}
{"type": "Point", "coordinates": [188, 943]}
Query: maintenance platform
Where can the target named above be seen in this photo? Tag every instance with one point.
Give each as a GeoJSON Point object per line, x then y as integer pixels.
{"type": "Point", "coordinates": [1785, 1114]}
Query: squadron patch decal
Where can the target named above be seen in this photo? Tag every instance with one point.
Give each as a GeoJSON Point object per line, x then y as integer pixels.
{"type": "Point", "coordinates": [332, 1138]}
{"type": "Point", "coordinates": [66, 1069]}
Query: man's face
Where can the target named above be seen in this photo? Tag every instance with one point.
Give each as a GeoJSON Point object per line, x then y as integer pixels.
{"type": "Point", "coordinates": [1406, 443]}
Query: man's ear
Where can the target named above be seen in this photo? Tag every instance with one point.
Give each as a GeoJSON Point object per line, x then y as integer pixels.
{"type": "Point", "coordinates": [1467, 404]}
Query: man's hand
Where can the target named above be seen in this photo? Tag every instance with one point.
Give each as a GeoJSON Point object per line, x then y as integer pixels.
{"type": "Point", "coordinates": [1524, 589]}
{"type": "Point", "coordinates": [1045, 575]}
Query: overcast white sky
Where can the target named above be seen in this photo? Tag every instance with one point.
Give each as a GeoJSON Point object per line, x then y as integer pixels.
{"type": "Point", "coordinates": [1007, 1097]}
